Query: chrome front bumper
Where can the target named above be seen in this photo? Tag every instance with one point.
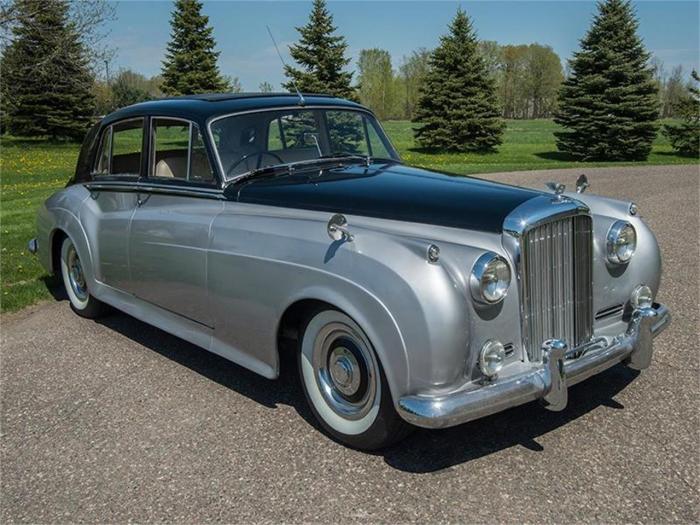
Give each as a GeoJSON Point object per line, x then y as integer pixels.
{"type": "Point", "coordinates": [547, 381]}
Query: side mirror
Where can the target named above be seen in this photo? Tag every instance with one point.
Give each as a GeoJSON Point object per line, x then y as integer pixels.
{"type": "Point", "coordinates": [581, 183]}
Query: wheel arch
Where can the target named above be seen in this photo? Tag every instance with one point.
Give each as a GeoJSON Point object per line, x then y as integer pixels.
{"type": "Point", "coordinates": [66, 224]}
{"type": "Point", "coordinates": [56, 238]}
{"type": "Point", "coordinates": [369, 313]}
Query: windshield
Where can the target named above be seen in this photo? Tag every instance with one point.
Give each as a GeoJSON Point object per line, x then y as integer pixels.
{"type": "Point", "coordinates": [268, 138]}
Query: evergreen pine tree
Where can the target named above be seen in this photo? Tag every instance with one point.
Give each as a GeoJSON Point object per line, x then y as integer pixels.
{"type": "Point", "coordinates": [457, 109]}
{"type": "Point", "coordinates": [685, 137]}
{"type": "Point", "coordinates": [50, 97]}
{"type": "Point", "coordinates": [609, 103]}
{"type": "Point", "coordinates": [321, 55]}
{"type": "Point", "coordinates": [190, 60]}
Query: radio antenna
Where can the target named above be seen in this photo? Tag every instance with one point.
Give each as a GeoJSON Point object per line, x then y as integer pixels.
{"type": "Point", "coordinates": [301, 97]}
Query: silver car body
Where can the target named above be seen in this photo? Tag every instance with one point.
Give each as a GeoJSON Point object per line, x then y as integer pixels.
{"type": "Point", "coordinates": [227, 276]}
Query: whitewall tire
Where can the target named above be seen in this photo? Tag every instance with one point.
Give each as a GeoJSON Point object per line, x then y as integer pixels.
{"type": "Point", "coordinates": [75, 283]}
{"type": "Point", "coordinates": [344, 382]}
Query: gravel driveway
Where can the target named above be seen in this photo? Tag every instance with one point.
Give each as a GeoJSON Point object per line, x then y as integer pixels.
{"type": "Point", "coordinates": [115, 420]}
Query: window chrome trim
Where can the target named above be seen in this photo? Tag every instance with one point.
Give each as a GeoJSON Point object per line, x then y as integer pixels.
{"type": "Point", "coordinates": [189, 153]}
{"type": "Point", "coordinates": [211, 120]}
{"type": "Point", "coordinates": [156, 187]}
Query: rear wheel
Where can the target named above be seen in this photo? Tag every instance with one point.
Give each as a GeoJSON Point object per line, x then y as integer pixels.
{"type": "Point", "coordinates": [344, 383]}
{"type": "Point", "coordinates": [74, 281]}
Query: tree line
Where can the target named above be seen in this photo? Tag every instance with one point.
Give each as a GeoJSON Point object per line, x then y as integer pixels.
{"type": "Point", "coordinates": [608, 101]}
{"type": "Point", "coordinates": [526, 78]}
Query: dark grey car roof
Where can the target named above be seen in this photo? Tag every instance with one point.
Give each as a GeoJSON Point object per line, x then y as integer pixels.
{"type": "Point", "coordinates": [200, 108]}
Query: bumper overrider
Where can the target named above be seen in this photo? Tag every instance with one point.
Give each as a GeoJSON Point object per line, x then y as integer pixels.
{"type": "Point", "coordinates": [547, 381]}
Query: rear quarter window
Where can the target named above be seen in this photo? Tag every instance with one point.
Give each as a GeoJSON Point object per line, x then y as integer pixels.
{"type": "Point", "coordinates": [120, 150]}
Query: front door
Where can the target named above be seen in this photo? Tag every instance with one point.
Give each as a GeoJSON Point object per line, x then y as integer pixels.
{"type": "Point", "coordinates": [169, 233]}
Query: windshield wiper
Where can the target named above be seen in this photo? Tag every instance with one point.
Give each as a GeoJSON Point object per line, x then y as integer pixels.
{"type": "Point", "coordinates": [367, 159]}
{"type": "Point", "coordinates": [289, 168]}
{"type": "Point", "coordinates": [265, 170]}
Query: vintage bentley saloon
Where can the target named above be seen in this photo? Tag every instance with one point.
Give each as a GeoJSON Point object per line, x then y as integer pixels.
{"type": "Point", "coordinates": [241, 223]}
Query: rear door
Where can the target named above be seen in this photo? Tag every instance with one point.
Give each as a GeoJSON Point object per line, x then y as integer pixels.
{"type": "Point", "coordinates": [170, 228]}
{"type": "Point", "coordinates": [118, 167]}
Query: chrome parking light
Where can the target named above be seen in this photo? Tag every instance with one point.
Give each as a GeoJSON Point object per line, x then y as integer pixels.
{"type": "Point", "coordinates": [641, 297]}
{"type": "Point", "coordinates": [492, 357]}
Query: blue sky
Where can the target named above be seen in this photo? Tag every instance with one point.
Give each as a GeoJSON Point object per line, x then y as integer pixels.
{"type": "Point", "coordinates": [670, 29]}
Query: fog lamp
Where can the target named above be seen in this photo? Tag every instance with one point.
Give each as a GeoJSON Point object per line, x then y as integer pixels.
{"type": "Point", "coordinates": [492, 357]}
{"type": "Point", "coordinates": [641, 297]}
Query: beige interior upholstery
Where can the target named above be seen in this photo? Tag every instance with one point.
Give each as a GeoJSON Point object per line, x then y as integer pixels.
{"type": "Point", "coordinates": [173, 167]}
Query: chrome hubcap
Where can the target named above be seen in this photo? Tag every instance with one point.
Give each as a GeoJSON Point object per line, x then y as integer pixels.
{"type": "Point", "coordinates": [345, 371]}
{"type": "Point", "coordinates": [75, 275]}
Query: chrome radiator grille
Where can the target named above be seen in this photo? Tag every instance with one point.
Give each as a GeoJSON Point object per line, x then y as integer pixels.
{"type": "Point", "coordinates": [556, 280]}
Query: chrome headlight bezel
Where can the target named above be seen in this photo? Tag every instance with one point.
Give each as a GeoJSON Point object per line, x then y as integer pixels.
{"type": "Point", "coordinates": [618, 231]}
{"type": "Point", "coordinates": [484, 268]}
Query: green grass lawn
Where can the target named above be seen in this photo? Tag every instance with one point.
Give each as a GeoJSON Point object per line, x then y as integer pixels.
{"type": "Point", "coordinates": [527, 145]}
{"type": "Point", "coordinates": [30, 170]}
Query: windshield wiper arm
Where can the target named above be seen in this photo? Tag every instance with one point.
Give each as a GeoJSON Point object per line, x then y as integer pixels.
{"type": "Point", "coordinates": [266, 170]}
{"type": "Point", "coordinates": [290, 167]}
{"type": "Point", "coordinates": [367, 159]}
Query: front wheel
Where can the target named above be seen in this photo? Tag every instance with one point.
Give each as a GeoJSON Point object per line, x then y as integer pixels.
{"type": "Point", "coordinates": [82, 303]}
{"type": "Point", "coordinates": [344, 383]}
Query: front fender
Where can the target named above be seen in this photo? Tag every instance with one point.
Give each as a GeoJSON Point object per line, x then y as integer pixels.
{"type": "Point", "coordinates": [416, 314]}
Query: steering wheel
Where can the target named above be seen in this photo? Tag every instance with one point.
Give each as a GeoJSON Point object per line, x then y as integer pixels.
{"type": "Point", "coordinates": [259, 154]}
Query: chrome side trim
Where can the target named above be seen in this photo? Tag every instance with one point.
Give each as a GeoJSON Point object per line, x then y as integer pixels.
{"type": "Point", "coordinates": [150, 187]}
{"type": "Point", "coordinates": [530, 382]}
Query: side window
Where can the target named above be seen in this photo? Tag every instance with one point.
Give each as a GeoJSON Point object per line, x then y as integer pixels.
{"type": "Point", "coordinates": [127, 142]}
{"type": "Point", "coordinates": [170, 141]}
{"type": "Point", "coordinates": [104, 153]}
{"type": "Point", "coordinates": [178, 152]}
{"type": "Point", "coordinates": [120, 149]}
{"type": "Point", "coordinates": [377, 146]}
{"type": "Point", "coordinates": [200, 169]}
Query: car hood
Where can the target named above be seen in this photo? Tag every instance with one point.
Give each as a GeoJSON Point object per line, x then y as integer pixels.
{"type": "Point", "coordinates": [392, 191]}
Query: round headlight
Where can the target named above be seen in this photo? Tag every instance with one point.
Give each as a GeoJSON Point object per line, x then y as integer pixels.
{"type": "Point", "coordinates": [490, 278]}
{"type": "Point", "coordinates": [642, 297]}
{"type": "Point", "coordinates": [491, 357]}
{"type": "Point", "coordinates": [622, 241]}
